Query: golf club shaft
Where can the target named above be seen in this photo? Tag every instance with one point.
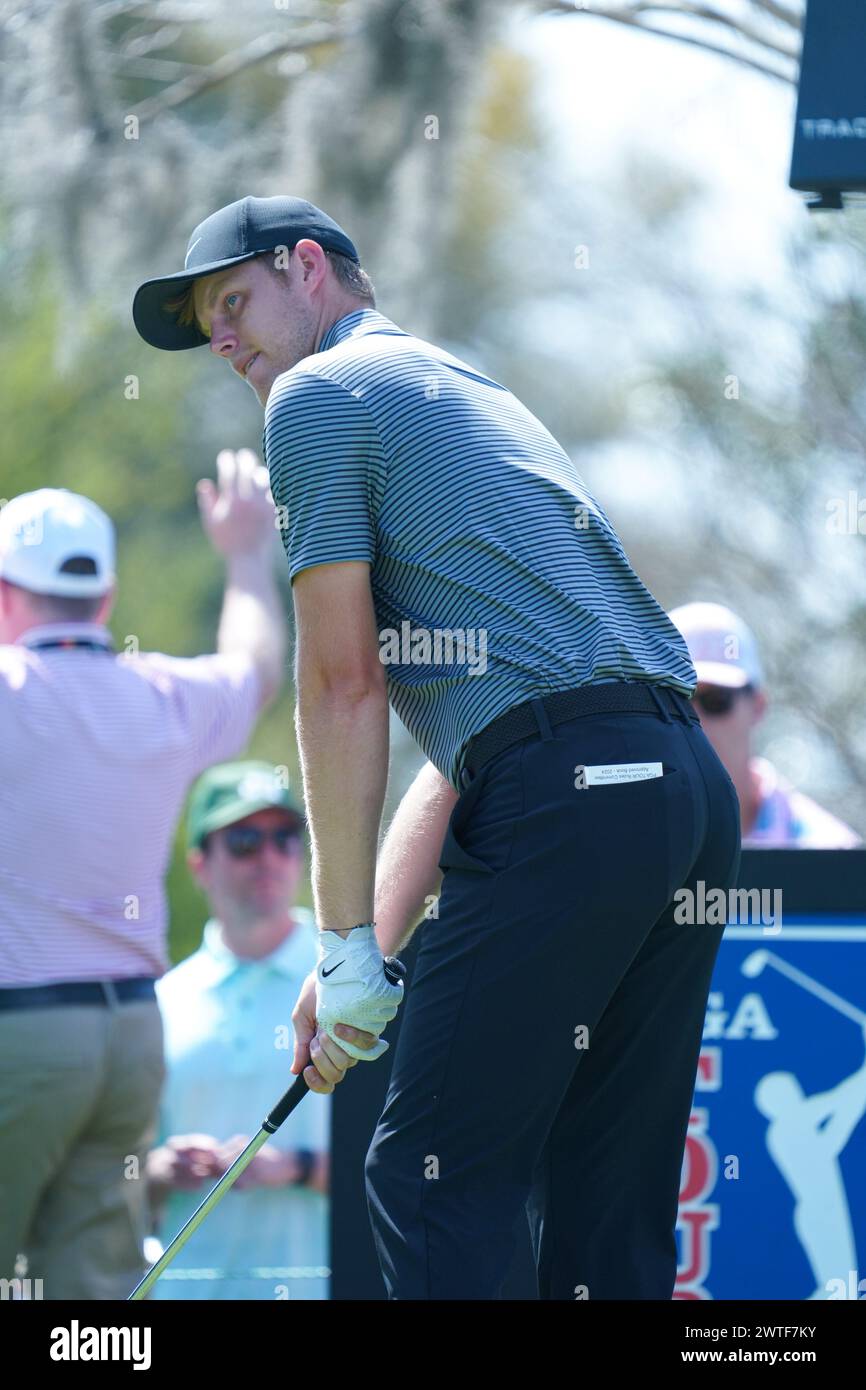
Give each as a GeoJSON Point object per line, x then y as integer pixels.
{"type": "Point", "coordinates": [283, 1108]}
{"type": "Point", "coordinates": [395, 971]}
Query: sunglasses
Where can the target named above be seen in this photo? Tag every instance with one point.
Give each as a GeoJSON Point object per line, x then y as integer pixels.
{"type": "Point", "coordinates": [718, 699]}
{"type": "Point", "coordinates": [243, 841]}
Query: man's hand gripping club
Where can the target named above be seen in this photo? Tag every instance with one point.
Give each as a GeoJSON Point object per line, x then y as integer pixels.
{"type": "Point", "coordinates": [343, 1006]}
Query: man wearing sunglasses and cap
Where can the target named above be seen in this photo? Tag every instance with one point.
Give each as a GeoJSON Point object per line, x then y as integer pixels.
{"type": "Point", "coordinates": [548, 1053]}
{"type": "Point", "coordinates": [226, 1011]}
{"type": "Point", "coordinates": [731, 699]}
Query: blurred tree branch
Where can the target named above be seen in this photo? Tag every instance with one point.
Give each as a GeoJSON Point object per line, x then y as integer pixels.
{"type": "Point", "coordinates": [764, 35]}
{"type": "Point", "coordinates": [229, 65]}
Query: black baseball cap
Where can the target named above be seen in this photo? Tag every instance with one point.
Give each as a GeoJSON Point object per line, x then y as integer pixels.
{"type": "Point", "coordinates": [235, 233]}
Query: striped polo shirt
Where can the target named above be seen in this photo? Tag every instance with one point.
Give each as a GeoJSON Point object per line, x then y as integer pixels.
{"type": "Point", "coordinates": [495, 574]}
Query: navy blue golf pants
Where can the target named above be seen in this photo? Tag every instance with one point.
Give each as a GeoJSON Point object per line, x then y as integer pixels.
{"type": "Point", "coordinates": [549, 1047]}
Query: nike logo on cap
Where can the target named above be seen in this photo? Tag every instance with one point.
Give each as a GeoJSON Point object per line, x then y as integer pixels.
{"type": "Point", "coordinates": [190, 251]}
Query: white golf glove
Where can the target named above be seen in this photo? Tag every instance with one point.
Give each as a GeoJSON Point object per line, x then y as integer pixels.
{"type": "Point", "coordinates": [352, 987]}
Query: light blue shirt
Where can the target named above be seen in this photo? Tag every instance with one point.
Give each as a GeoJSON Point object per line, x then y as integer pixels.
{"type": "Point", "coordinates": [229, 1043]}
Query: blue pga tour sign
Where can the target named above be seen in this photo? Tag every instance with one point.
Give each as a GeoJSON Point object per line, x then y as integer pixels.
{"type": "Point", "coordinates": [773, 1189]}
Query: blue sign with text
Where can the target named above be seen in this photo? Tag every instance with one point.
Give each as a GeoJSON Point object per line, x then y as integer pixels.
{"type": "Point", "coordinates": [773, 1196]}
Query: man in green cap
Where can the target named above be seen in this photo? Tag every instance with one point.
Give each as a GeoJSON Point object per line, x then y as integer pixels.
{"type": "Point", "coordinates": [226, 1012]}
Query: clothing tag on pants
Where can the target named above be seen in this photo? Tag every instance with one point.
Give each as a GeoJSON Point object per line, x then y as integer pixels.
{"type": "Point", "coordinates": [604, 775]}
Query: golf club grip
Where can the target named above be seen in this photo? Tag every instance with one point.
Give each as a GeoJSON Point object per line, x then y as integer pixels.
{"type": "Point", "coordinates": [286, 1104]}
{"type": "Point", "coordinates": [395, 971]}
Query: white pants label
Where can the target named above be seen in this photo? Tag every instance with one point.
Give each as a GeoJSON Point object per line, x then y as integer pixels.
{"type": "Point", "coordinates": [603, 775]}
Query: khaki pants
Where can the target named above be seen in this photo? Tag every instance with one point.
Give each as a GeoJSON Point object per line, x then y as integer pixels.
{"type": "Point", "coordinates": [79, 1097]}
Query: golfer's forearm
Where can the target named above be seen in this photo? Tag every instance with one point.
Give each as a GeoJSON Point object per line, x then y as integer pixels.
{"type": "Point", "coordinates": [407, 874]}
{"type": "Point", "coordinates": [343, 744]}
{"type": "Point", "coordinates": [252, 619]}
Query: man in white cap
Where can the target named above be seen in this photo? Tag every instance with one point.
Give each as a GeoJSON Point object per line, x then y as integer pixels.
{"type": "Point", "coordinates": [98, 750]}
{"type": "Point", "coordinates": [731, 699]}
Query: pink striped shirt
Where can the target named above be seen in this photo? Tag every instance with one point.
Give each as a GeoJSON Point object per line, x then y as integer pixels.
{"type": "Point", "coordinates": [98, 752]}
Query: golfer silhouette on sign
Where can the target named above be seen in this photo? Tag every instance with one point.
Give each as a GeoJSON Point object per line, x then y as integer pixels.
{"type": "Point", "coordinates": [805, 1137]}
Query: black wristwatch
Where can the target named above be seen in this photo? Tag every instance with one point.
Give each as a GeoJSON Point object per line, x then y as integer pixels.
{"type": "Point", "coordinates": [306, 1161]}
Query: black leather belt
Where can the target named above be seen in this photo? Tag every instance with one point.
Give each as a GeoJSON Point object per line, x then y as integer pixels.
{"type": "Point", "coordinates": [77, 992]}
{"type": "Point", "coordinates": [615, 697]}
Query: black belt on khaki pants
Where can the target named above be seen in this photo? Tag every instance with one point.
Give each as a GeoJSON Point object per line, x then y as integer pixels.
{"type": "Point", "coordinates": [614, 697]}
{"type": "Point", "coordinates": [77, 992]}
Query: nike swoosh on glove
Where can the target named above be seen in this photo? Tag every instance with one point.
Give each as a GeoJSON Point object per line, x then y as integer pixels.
{"type": "Point", "coordinates": [352, 987]}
